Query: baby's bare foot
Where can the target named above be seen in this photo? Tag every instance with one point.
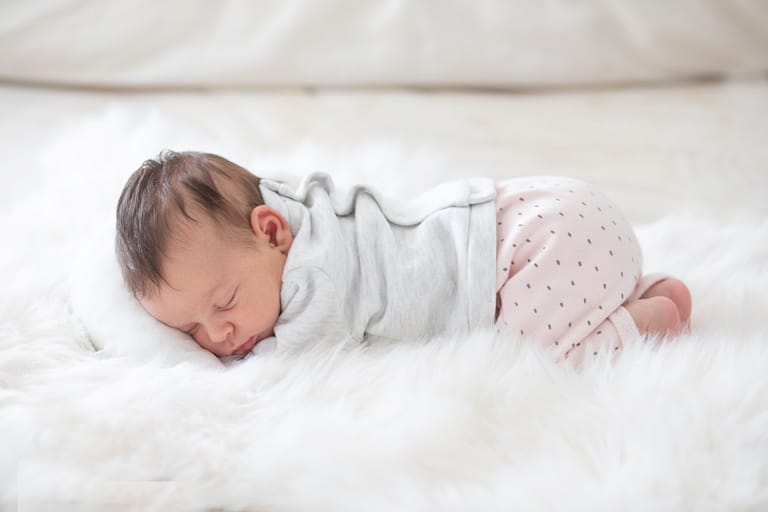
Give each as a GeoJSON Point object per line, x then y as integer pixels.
{"type": "Point", "coordinates": [655, 315]}
{"type": "Point", "coordinates": [675, 290]}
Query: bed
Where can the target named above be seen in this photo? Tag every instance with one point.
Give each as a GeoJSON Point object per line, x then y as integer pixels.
{"type": "Point", "coordinates": [663, 107]}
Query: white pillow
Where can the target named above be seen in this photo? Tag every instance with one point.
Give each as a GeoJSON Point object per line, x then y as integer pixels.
{"type": "Point", "coordinates": [496, 43]}
{"type": "Point", "coordinates": [115, 321]}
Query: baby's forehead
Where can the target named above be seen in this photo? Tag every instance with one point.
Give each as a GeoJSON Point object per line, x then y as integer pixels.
{"type": "Point", "coordinates": [190, 262]}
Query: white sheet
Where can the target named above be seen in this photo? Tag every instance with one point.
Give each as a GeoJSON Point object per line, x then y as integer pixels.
{"type": "Point", "coordinates": [456, 425]}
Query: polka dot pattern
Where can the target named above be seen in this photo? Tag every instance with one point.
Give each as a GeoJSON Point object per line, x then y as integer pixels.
{"type": "Point", "coordinates": [566, 260]}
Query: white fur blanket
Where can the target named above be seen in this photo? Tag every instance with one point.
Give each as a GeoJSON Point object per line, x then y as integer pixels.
{"type": "Point", "coordinates": [466, 424]}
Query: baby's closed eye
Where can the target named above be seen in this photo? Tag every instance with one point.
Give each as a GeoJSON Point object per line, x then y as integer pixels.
{"type": "Point", "coordinates": [229, 303]}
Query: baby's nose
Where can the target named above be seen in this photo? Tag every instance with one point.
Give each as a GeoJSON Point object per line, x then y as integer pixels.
{"type": "Point", "coordinates": [223, 333]}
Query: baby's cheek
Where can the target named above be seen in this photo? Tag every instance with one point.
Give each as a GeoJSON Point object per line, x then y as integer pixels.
{"type": "Point", "coordinates": [266, 313]}
{"type": "Point", "coordinates": [202, 341]}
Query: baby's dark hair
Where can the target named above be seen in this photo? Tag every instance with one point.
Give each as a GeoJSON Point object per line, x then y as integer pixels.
{"type": "Point", "coordinates": [173, 188]}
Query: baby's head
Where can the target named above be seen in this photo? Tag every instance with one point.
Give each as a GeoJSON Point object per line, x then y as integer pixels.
{"type": "Point", "coordinates": [201, 251]}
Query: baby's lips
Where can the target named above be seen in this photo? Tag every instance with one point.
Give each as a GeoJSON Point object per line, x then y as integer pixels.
{"type": "Point", "coordinates": [245, 347]}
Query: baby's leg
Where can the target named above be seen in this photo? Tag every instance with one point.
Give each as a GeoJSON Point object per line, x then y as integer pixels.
{"type": "Point", "coordinates": [566, 261]}
{"type": "Point", "coordinates": [610, 335]}
{"type": "Point", "coordinates": [663, 309]}
{"type": "Point", "coordinates": [568, 343]}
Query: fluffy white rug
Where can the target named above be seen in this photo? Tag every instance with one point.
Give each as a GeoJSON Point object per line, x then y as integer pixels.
{"type": "Point", "coordinates": [466, 424]}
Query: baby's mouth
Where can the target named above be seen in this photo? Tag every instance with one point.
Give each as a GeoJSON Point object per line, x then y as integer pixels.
{"type": "Point", "coordinates": [245, 347]}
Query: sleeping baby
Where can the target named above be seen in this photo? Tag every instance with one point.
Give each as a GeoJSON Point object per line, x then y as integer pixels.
{"type": "Point", "coordinates": [243, 264]}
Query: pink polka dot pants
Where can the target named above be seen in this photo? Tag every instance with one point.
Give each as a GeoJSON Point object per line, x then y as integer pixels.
{"type": "Point", "coordinates": [566, 261]}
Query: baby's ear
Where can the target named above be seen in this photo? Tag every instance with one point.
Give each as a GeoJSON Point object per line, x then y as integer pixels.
{"type": "Point", "coordinates": [269, 226]}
